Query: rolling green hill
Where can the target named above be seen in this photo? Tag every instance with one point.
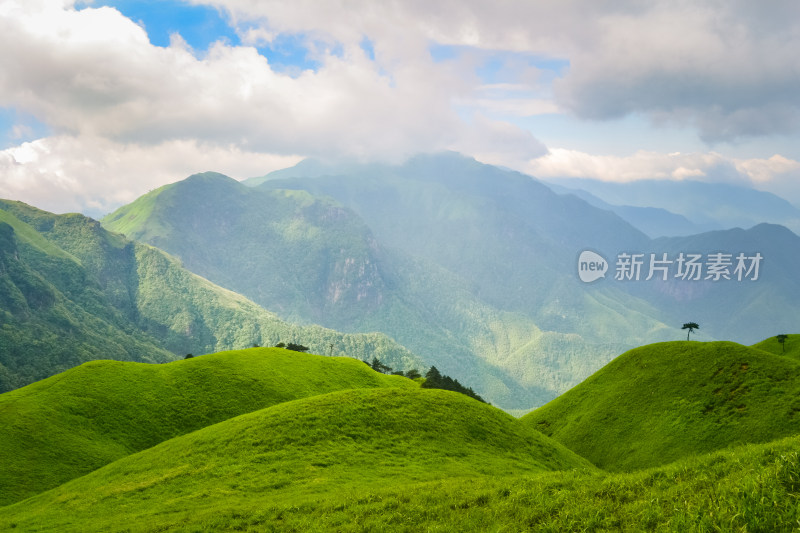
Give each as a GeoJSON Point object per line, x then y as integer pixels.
{"type": "Point", "coordinates": [72, 292]}
{"type": "Point", "coordinates": [347, 443]}
{"type": "Point", "coordinates": [363, 461]}
{"type": "Point", "coordinates": [68, 425]}
{"type": "Point", "coordinates": [662, 402]}
{"type": "Point", "coordinates": [790, 348]}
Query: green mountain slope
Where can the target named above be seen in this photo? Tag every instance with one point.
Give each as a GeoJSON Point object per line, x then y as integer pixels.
{"type": "Point", "coordinates": [305, 258]}
{"type": "Point", "coordinates": [659, 403]}
{"type": "Point", "coordinates": [346, 443]}
{"type": "Point", "coordinates": [53, 314]}
{"type": "Point", "coordinates": [74, 292]}
{"type": "Point", "coordinates": [68, 425]}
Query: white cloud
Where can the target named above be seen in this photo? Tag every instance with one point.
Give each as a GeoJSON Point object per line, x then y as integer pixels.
{"type": "Point", "coordinates": [776, 174]}
{"type": "Point", "coordinates": [94, 175]}
{"type": "Point", "coordinates": [765, 170]}
{"type": "Point", "coordinates": [729, 69]}
{"type": "Point", "coordinates": [94, 72]}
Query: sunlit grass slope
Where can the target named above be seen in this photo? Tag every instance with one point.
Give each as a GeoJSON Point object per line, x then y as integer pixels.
{"type": "Point", "coordinates": [790, 348]}
{"type": "Point", "coordinates": [341, 443]}
{"type": "Point", "coordinates": [662, 402]}
{"type": "Point", "coordinates": [72, 423]}
{"type": "Point", "coordinates": [748, 488]}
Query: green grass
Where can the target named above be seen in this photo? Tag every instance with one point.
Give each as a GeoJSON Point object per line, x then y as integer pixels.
{"type": "Point", "coordinates": [662, 402]}
{"type": "Point", "coordinates": [254, 476]}
{"type": "Point", "coordinates": [70, 424]}
{"type": "Point", "coordinates": [299, 451]}
{"type": "Point", "coordinates": [389, 456]}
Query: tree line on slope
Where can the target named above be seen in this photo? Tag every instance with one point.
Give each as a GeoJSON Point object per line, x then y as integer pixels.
{"type": "Point", "coordinates": [433, 379]}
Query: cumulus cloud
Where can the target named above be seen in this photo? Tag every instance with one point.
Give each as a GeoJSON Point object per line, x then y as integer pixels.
{"type": "Point", "coordinates": [729, 69]}
{"type": "Point", "coordinates": [94, 72]}
{"type": "Point", "coordinates": [560, 162]}
{"type": "Point", "coordinates": [92, 76]}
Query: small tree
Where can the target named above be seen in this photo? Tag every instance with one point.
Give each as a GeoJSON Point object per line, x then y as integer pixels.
{"type": "Point", "coordinates": [377, 366]}
{"type": "Point", "coordinates": [188, 356]}
{"type": "Point", "coordinates": [691, 326]}
{"type": "Point", "coordinates": [280, 345]}
{"type": "Point", "coordinates": [782, 339]}
{"type": "Point", "coordinates": [413, 374]}
{"type": "Point", "coordinates": [296, 347]}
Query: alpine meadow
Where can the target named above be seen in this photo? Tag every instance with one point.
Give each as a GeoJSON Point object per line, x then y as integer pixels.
{"type": "Point", "coordinates": [372, 267]}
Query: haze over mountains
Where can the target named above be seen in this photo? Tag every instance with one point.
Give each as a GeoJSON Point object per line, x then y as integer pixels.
{"type": "Point", "coordinates": [470, 266]}
{"type": "Point", "coordinates": [680, 208]}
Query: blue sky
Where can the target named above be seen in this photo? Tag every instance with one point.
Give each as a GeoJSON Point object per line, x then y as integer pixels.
{"type": "Point", "coordinates": [104, 100]}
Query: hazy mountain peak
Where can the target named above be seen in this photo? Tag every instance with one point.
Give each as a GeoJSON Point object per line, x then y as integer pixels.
{"type": "Point", "coordinates": [208, 176]}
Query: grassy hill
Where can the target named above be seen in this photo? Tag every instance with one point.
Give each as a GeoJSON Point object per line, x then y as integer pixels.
{"type": "Point", "coordinates": [350, 443]}
{"type": "Point", "coordinates": [790, 348]}
{"type": "Point", "coordinates": [70, 424]}
{"type": "Point", "coordinates": [71, 292]}
{"type": "Point", "coordinates": [261, 472]}
{"type": "Point", "coordinates": [662, 402]}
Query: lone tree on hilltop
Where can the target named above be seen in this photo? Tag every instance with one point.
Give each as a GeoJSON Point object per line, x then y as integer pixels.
{"type": "Point", "coordinates": [691, 326]}
{"type": "Point", "coordinates": [782, 339]}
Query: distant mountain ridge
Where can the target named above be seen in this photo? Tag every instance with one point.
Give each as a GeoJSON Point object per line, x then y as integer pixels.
{"type": "Point", "coordinates": [709, 206]}
{"type": "Point", "coordinates": [653, 221]}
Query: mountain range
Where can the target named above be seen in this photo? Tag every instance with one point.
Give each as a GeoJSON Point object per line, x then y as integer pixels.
{"type": "Point", "coordinates": [470, 266]}
{"type": "Point", "coordinates": [438, 261]}
{"type": "Point", "coordinates": [680, 208]}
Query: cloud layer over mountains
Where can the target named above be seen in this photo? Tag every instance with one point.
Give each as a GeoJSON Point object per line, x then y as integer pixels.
{"type": "Point", "coordinates": [110, 114]}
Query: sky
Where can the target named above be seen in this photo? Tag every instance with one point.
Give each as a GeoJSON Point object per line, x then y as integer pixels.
{"type": "Point", "coordinates": [102, 101]}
